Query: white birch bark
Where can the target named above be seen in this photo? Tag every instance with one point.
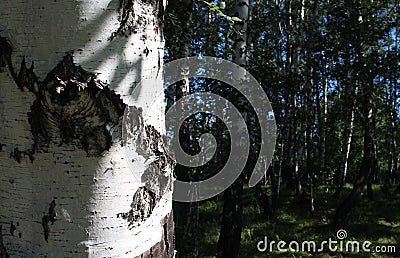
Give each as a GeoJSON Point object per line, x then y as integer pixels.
{"type": "Point", "coordinates": [90, 192]}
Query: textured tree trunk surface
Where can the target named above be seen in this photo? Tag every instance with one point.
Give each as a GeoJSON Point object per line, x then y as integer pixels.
{"type": "Point", "coordinates": [67, 187]}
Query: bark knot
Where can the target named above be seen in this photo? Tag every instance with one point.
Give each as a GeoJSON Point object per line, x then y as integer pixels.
{"type": "Point", "coordinates": [72, 107]}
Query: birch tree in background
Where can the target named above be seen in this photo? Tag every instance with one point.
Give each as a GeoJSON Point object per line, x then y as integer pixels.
{"type": "Point", "coordinates": [232, 215]}
{"type": "Point", "coordinates": [67, 187]}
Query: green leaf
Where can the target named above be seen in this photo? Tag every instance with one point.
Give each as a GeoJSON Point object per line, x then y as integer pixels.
{"type": "Point", "coordinates": [237, 19]}
{"type": "Point", "coordinates": [208, 3]}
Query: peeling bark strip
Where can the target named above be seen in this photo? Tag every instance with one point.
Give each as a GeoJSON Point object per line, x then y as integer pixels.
{"type": "Point", "coordinates": [165, 248]}
{"type": "Point", "coordinates": [49, 217]}
{"type": "Point", "coordinates": [149, 143]}
{"type": "Point", "coordinates": [157, 177]}
{"type": "Point", "coordinates": [3, 251]}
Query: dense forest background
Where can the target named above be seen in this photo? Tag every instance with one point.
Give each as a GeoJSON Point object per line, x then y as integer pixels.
{"type": "Point", "coordinates": [331, 72]}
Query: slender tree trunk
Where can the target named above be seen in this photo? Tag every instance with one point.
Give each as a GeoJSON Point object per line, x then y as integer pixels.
{"type": "Point", "coordinates": [392, 155]}
{"type": "Point", "coordinates": [231, 224]}
{"type": "Point", "coordinates": [299, 149]}
{"type": "Point", "coordinates": [364, 174]}
{"type": "Point", "coordinates": [261, 195]}
{"type": "Point", "coordinates": [395, 123]}
{"type": "Point", "coordinates": [293, 58]}
{"type": "Point", "coordinates": [276, 180]}
{"type": "Point", "coordinates": [309, 140]}
{"type": "Point", "coordinates": [344, 164]}
{"type": "Point", "coordinates": [322, 120]}
{"type": "Point", "coordinates": [67, 185]}
{"type": "Point", "coordinates": [283, 136]}
{"type": "Point", "coordinates": [288, 144]}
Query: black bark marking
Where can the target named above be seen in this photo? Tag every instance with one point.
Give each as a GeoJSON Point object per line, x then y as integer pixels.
{"type": "Point", "coordinates": [146, 51]}
{"type": "Point", "coordinates": [76, 107]}
{"type": "Point", "coordinates": [107, 169]}
{"type": "Point", "coordinates": [150, 144]}
{"type": "Point", "coordinates": [5, 54]}
{"type": "Point", "coordinates": [17, 154]}
{"type": "Point", "coordinates": [72, 106]}
{"type": "Point", "coordinates": [159, 173]}
{"type": "Point", "coordinates": [12, 228]}
{"type": "Point", "coordinates": [142, 206]}
{"type": "Point", "coordinates": [3, 251]}
{"type": "Point", "coordinates": [26, 78]}
{"type": "Point", "coordinates": [1, 146]}
{"type": "Point", "coordinates": [49, 217]}
{"type": "Point", "coordinates": [157, 177]}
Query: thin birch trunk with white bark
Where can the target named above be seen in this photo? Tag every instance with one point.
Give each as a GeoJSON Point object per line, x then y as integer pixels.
{"type": "Point", "coordinates": [232, 215]}
{"type": "Point", "coordinates": [67, 187]}
{"type": "Point", "coordinates": [344, 163]}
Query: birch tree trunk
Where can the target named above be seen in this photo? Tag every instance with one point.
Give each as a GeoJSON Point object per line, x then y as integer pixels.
{"type": "Point", "coordinates": [344, 163]}
{"type": "Point", "coordinates": [232, 214]}
{"type": "Point", "coordinates": [67, 187]}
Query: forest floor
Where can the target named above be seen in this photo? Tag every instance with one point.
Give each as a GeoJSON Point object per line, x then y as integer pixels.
{"type": "Point", "coordinates": [376, 220]}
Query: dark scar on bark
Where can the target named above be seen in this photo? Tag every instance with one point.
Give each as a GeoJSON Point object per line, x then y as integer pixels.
{"type": "Point", "coordinates": [72, 106]}
{"type": "Point", "coordinates": [142, 206]}
{"type": "Point", "coordinates": [157, 177]}
{"type": "Point", "coordinates": [46, 219]}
